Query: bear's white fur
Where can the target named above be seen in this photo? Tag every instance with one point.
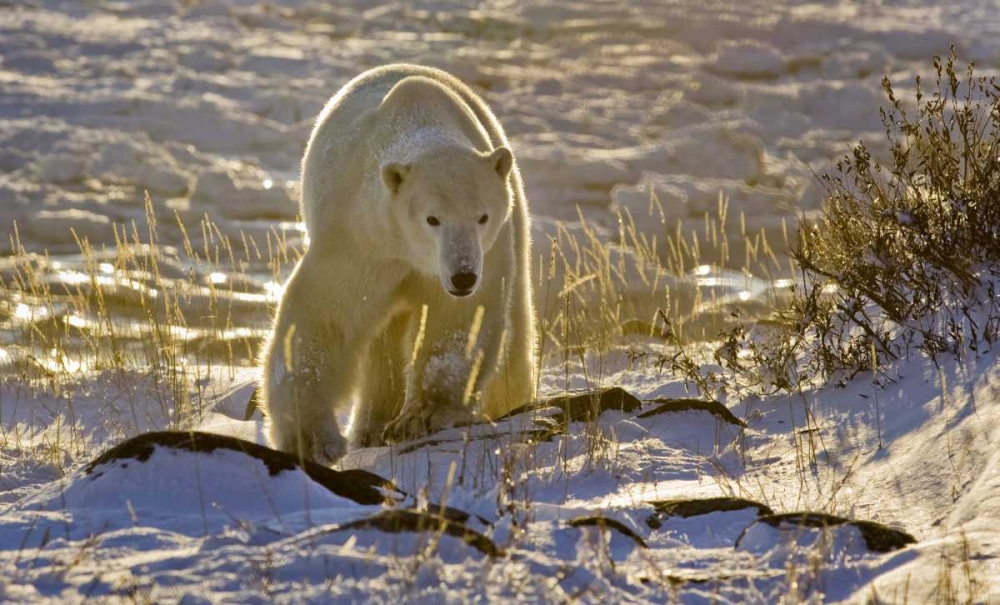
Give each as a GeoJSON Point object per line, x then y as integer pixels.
{"type": "Point", "coordinates": [414, 296]}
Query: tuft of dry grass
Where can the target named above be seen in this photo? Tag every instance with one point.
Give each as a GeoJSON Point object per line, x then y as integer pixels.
{"type": "Point", "coordinates": [151, 320]}
{"type": "Point", "coordinates": [911, 245]}
{"type": "Point", "coordinates": [905, 257]}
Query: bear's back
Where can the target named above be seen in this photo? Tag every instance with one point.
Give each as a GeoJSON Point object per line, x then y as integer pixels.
{"type": "Point", "coordinates": [349, 137]}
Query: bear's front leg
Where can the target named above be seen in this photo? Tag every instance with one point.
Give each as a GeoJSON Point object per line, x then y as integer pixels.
{"type": "Point", "coordinates": [447, 377]}
{"type": "Point", "coordinates": [299, 396]}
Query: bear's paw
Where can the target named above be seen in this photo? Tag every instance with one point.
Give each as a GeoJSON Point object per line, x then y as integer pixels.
{"type": "Point", "coordinates": [419, 420]}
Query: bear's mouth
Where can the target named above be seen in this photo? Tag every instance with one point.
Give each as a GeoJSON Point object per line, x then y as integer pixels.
{"type": "Point", "coordinates": [460, 293]}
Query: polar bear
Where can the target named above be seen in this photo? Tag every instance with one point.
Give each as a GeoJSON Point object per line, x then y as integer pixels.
{"type": "Point", "coordinates": [414, 295]}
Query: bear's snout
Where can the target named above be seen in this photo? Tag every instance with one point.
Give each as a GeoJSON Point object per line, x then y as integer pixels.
{"type": "Point", "coordinates": [463, 283]}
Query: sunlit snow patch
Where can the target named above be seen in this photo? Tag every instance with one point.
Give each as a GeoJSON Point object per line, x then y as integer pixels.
{"type": "Point", "coordinates": [196, 483]}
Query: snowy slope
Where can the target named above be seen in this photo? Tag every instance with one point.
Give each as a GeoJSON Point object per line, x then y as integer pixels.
{"type": "Point", "coordinates": [612, 509]}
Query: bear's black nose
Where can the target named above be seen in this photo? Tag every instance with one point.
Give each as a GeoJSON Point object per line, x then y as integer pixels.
{"type": "Point", "coordinates": [463, 282]}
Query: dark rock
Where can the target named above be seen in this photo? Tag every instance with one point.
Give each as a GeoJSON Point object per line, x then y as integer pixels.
{"type": "Point", "coordinates": [701, 506]}
{"type": "Point", "coordinates": [878, 537]}
{"type": "Point", "coordinates": [358, 485]}
{"type": "Point", "coordinates": [405, 520]}
{"type": "Point", "coordinates": [584, 407]}
{"type": "Point", "coordinates": [685, 405]}
{"type": "Point", "coordinates": [605, 523]}
{"type": "Point", "coordinates": [546, 432]}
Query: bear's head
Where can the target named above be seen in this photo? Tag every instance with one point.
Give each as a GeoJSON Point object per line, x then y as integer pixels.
{"type": "Point", "coordinates": [449, 204]}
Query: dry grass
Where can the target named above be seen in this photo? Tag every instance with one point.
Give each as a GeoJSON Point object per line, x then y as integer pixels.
{"type": "Point", "coordinates": [140, 313]}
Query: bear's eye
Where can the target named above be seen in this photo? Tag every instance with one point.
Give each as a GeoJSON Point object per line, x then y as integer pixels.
{"type": "Point", "coordinates": [433, 221]}
{"type": "Point", "coordinates": [484, 219]}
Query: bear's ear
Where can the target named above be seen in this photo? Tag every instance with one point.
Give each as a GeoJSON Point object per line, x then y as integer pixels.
{"type": "Point", "coordinates": [393, 175]}
{"type": "Point", "coordinates": [502, 161]}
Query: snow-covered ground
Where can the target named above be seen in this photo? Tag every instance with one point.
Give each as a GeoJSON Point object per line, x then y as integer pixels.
{"type": "Point", "coordinates": [207, 105]}
{"type": "Point", "coordinates": [607, 511]}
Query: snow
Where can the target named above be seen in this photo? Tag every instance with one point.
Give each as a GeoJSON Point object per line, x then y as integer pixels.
{"type": "Point", "coordinates": [244, 196]}
{"type": "Point", "coordinates": [169, 490]}
{"type": "Point", "coordinates": [748, 59]}
{"type": "Point", "coordinates": [644, 109]}
{"type": "Point", "coordinates": [185, 521]}
{"type": "Point", "coordinates": [204, 90]}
